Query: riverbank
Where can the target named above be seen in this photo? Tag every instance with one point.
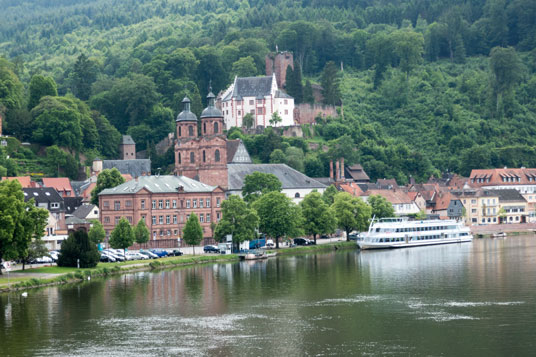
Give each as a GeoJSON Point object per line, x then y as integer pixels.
{"type": "Point", "coordinates": [510, 229]}
{"type": "Point", "coordinates": [54, 275]}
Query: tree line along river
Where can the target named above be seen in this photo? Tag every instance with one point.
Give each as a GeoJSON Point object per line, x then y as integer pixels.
{"type": "Point", "coordinates": [461, 299]}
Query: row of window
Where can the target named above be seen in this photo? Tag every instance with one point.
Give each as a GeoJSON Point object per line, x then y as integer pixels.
{"type": "Point", "coordinates": [251, 102]}
{"type": "Point", "coordinates": [168, 219]}
{"type": "Point", "coordinates": [217, 157]}
{"type": "Point", "coordinates": [415, 229]}
{"type": "Point", "coordinates": [195, 203]}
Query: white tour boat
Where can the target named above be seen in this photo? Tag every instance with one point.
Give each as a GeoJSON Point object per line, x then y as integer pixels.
{"type": "Point", "coordinates": [402, 233]}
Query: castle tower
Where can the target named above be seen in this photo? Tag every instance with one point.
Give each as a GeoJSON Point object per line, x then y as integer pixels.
{"type": "Point", "coordinates": [212, 168]}
{"type": "Point", "coordinates": [186, 155]}
{"type": "Point", "coordinates": [277, 63]}
{"type": "Point", "coordinates": [127, 148]}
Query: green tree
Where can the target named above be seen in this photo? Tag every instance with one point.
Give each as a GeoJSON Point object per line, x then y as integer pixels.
{"type": "Point", "coordinates": [351, 213]}
{"type": "Point", "coordinates": [278, 216]}
{"type": "Point", "coordinates": [237, 220]}
{"type": "Point", "coordinates": [380, 206]}
{"type": "Point", "coordinates": [380, 47]}
{"type": "Point", "coordinates": [96, 233]}
{"type": "Point", "coordinates": [248, 120]}
{"type": "Point", "coordinates": [41, 86]}
{"type": "Point", "coordinates": [259, 183]}
{"type": "Point", "coordinates": [408, 47]}
{"type": "Point", "coordinates": [294, 158]}
{"type": "Point", "coordinates": [421, 215]}
{"type": "Point", "coordinates": [506, 72]}
{"type": "Point", "coordinates": [329, 194]}
{"type": "Point", "coordinates": [330, 81]}
{"type": "Point", "coordinates": [277, 157]}
{"type": "Point", "coordinates": [318, 216]}
{"type": "Point", "coordinates": [122, 235]}
{"type": "Point", "coordinates": [109, 136]}
{"type": "Point", "coordinates": [294, 86]}
{"type": "Point", "coordinates": [141, 232]}
{"type": "Point", "coordinates": [192, 232]}
{"type": "Point", "coordinates": [82, 77]}
{"type": "Point", "coordinates": [108, 178]}
{"type": "Point", "coordinates": [11, 89]}
{"type": "Point", "coordinates": [313, 166]}
{"type": "Point", "coordinates": [20, 221]}
{"type": "Point", "coordinates": [60, 163]}
{"type": "Point", "coordinates": [275, 119]}
{"type": "Point", "coordinates": [308, 96]}
{"type": "Point", "coordinates": [244, 67]}
{"type": "Point", "coordinates": [78, 248]}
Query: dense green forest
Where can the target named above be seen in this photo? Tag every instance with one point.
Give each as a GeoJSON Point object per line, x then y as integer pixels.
{"type": "Point", "coordinates": [427, 86]}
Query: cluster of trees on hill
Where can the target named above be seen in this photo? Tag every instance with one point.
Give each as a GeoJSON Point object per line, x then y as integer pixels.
{"type": "Point", "coordinates": [427, 85]}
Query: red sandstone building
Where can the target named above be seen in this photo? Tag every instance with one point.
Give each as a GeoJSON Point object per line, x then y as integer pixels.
{"type": "Point", "coordinates": [164, 202]}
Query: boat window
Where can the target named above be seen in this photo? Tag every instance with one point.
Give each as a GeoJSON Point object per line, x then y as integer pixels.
{"type": "Point", "coordinates": [377, 230]}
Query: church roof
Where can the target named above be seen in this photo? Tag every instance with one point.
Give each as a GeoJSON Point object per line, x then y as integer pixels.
{"type": "Point", "coordinates": [127, 140]}
{"type": "Point", "coordinates": [134, 168]}
{"type": "Point", "coordinates": [186, 114]}
{"type": "Point", "coordinates": [290, 178]}
{"type": "Point", "coordinates": [159, 184]}
{"type": "Point", "coordinates": [211, 111]}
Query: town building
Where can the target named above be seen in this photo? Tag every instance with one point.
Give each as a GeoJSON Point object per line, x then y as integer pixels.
{"type": "Point", "coordinates": [513, 207]}
{"type": "Point", "coordinates": [127, 148]}
{"type": "Point", "coordinates": [481, 206]}
{"type": "Point", "coordinates": [60, 184]}
{"type": "Point", "coordinates": [25, 181]}
{"type": "Point", "coordinates": [522, 179]}
{"type": "Point", "coordinates": [258, 96]}
{"type": "Point", "coordinates": [402, 203]}
{"type": "Point", "coordinates": [356, 173]}
{"type": "Point", "coordinates": [87, 212]}
{"type": "Point", "coordinates": [277, 64]}
{"type": "Point", "coordinates": [456, 210]}
{"type": "Point", "coordinates": [163, 202]}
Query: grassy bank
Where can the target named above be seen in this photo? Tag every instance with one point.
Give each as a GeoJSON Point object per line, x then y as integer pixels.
{"type": "Point", "coordinates": [316, 248]}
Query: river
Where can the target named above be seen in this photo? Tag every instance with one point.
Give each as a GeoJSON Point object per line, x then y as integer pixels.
{"type": "Point", "coordinates": [475, 299]}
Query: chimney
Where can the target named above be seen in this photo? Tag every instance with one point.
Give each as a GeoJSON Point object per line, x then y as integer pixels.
{"type": "Point", "coordinates": [342, 168]}
{"type": "Point", "coordinates": [331, 170]}
{"type": "Point", "coordinates": [337, 172]}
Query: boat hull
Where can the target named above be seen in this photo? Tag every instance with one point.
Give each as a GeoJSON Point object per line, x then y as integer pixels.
{"type": "Point", "coordinates": [419, 243]}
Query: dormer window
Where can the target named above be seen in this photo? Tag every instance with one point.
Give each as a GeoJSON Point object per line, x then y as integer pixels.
{"type": "Point", "coordinates": [54, 205]}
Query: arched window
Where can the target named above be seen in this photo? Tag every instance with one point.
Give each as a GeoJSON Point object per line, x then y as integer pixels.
{"type": "Point", "coordinates": [204, 157]}
{"type": "Point", "coordinates": [297, 195]}
{"type": "Point", "coordinates": [204, 128]}
{"type": "Point", "coordinates": [217, 155]}
{"type": "Point", "coordinates": [216, 128]}
{"type": "Point", "coordinates": [180, 161]}
{"type": "Point", "coordinates": [180, 131]}
{"type": "Point", "coordinates": [192, 157]}
{"type": "Point", "coordinates": [191, 130]}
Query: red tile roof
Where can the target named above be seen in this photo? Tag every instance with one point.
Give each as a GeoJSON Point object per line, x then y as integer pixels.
{"type": "Point", "coordinates": [393, 196]}
{"type": "Point", "coordinates": [502, 177]}
{"type": "Point", "coordinates": [25, 181]}
{"type": "Point", "coordinates": [352, 188]}
{"type": "Point", "coordinates": [61, 184]}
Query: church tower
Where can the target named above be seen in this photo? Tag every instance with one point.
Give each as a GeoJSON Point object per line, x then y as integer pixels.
{"type": "Point", "coordinates": [186, 155]}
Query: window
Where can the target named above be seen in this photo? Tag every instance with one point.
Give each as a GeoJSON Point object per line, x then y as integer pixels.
{"type": "Point", "coordinates": [251, 102]}
{"type": "Point", "coordinates": [142, 204]}
{"type": "Point", "coordinates": [117, 205]}
{"type": "Point", "coordinates": [473, 201]}
{"type": "Point", "coordinates": [195, 203]}
{"type": "Point", "coordinates": [106, 219]}
{"type": "Point", "coordinates": [160, 219]}
{"type": "Point", "coordinates": [200, 203]}
{"type": "Point", "coordinates": [297, 195]}
{"type": "Point", "coordinates": [160, 204]}
{"type": "Point", "coordinates": [168, 220]}
{"type": "Point", "coordinates": [180, 131]}
{"type": "Point", "coordinates": [218, 202]}
{"type": "Point", "coordinates": [129, 219]}
{"type": "Point", "coordinates": [191, 130]}
{"type": "Point", "coordinates": [106, 204]}
{"type": "Point", "coordinates": [174, 219]}
{"type": "Point", "coordinates": [205, 128]}
{"type": "Point", "coordinates": [260, 110]}
{"type": "Point", "coordinates": [154, 220]}
{"type": "Point", "coordinates": [161, 233]}
{"type": "Point", "coordinates": [217, 155]}
{"type": "Point", "coordinates": [175, 232]}
{"type": "Point", "coordinates": [216, 126]}
{"type": "Point", "coordinates": [179, 159]}
{"type": "Point", "coordinates": [128, 203]}
{"type": "Point", "coordinates": [204, 156]}
{"type": "Point", "coordinates": [174, 203]}
{"type": "Point", "coordinates": [286, 101]}
{"type": "Point", "coordinates": [208, 217]}
{"type": "Point", "coordinates": [192, 157]}
{"type": "Point", "coordinates": [116, 220]}
{"type": "Point", "coordinates": [154, 204]}
{"type": "Point", "coordinates": [202, 218]}
{"type": "Point", "coordinates": [143, 218]}
{"type": "Point", "coordinates": [54, 205]}
{"type": "Point", "coordinates": [208, 202]}
{"type": "Point", "coordinates": [286, 111]}
{"type": "Point", "coordinates": [473, 220]}
{"type": "Point", "coordinates": [187, 203]}
{"type": "Point", "coordinates": [252, 111]}
{"type": "Point", "coordinates": [218, 216]}
{"type": "Point", "coordinates": [167, 203]}
{"type": "Point", "coordinates": [239, 112]}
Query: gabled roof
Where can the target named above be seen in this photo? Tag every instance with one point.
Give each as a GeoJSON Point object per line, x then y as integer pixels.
{"type": "Point", "coordinates": [83, 211]}
{"type": "Point", "coordinates": [237, 152]}
{"type": "Point", "coordinates": [159, 184]}
{"type": "Point", "coordinates": [61, 184]}
{"type": "Point", "coordinates": [134, 168]}
{"type": "Point", "coordinates": [71, 204]}
{"type": "Point", "coordinates": [44, 195]}
{"type": "Point", "coordinates": [25, 181]}
{"type": "Point", "coordinates": [290, 178]}
{"type": "Point", "coordinates": [252, 86]}
{"type": "Point", "coordinates": [127, 140]}
{"type": "Point", "coordinates": [356, 172]}
{"type": "Point", "coordinates": [502, 177]}
{"type": "Point", "coordinates": [352, 188]}
{"type": "Point", "coordinates": [510, 195]}
{"type": "Point", "coordinates": [442, 201]}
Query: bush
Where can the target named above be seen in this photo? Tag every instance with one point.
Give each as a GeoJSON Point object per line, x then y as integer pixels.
{"type": "Point", "coordinates": [78, 246]}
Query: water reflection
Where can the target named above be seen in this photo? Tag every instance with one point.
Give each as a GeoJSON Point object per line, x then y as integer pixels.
{"type": "Point", "coordinates": [413, 301]}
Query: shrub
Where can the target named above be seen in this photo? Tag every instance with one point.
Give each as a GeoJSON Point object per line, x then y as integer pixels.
{"type": "Point", "coordinates": [78, 246]}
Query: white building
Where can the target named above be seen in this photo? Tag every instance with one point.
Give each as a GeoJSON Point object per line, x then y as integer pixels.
{"type": "Point", "coordinates": [259, 96]}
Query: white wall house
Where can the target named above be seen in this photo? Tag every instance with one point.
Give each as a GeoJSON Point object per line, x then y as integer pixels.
{"type": "Point", "coordinates": [259, 96]}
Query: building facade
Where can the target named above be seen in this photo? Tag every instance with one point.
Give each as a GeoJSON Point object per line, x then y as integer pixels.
{"type": "Point", "coordinates": [258, 96]}
{"type": "Point", "coordinates": [163, 202]}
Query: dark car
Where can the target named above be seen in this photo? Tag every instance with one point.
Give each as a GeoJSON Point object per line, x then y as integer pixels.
{"type": "Point", "coordinates": [160, 253]}
{"type": "Point", "coordinates": [175, 253]}
{"type": "Point", "coordinates": [210, 249]}
{"type": "Point", "coordinates": [303, 241]}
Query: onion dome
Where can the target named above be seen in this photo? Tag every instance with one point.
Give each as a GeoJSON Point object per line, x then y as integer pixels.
{"type": "Point", "coordinates": [186, 114]}
{"type": "Point", "coordinates": [211, 111]}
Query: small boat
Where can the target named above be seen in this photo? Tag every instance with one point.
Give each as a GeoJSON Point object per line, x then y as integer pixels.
{"type": "Point", "coordinates": [255, 255]}
{"type": "Point", "coordinates": [402, 233]}
{"type": "Point", "coordinates": [499, 235]}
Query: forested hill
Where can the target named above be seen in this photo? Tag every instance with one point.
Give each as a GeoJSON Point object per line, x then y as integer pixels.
{"type": "Point", "coordinates": [428, 85]}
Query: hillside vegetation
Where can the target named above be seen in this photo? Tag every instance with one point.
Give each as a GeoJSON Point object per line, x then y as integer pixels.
{"type": "Point", "coordinates": [428, 85]}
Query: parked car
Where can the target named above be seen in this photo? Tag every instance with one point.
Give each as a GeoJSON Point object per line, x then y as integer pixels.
{"type": "Point", "coordinates": [148, 254]}
{"type": "Point", "coordinates": [105, 258]}
{"type": "Point", "coordinates": [211, 249]}
{"type": "Point", "coordinates": [175, 253]}
{"type": "Point", "coordinates": [303, 241]}
{"type": "Point", "coordinates": [160, 253]}
{"type": "Point", "coordinates": [41, 260]}
{"type": "Point", "coordinates": [136, 256]}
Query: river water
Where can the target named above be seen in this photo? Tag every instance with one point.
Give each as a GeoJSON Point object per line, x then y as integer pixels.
{"type": "Point", "coordinates": [474, 299]}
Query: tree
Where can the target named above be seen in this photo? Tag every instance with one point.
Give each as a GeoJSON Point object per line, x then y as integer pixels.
{"type": "Point", "coordinates": [141, 232]}
{"type": "Point", "coordinates": [192, 232]}
{"type": "Point", "coordinates": [351, 213]}
{"type": "Point", "coordinates": [318, 216]}
{"type": "Point", "coordinates": [259, 183]}
{"type": "Point", "coordinates": [277, 157]}
{"type": "Point", "coordinates": [308, 96]}
{"type": "Point", "coordinates": [82, 77]}
{"type": "Point", "coordinates": [275, 119]}
{"type": "Point", "coordinates": [278, 216]}
{"type": "Point", "coordinates": [380, 207]}
{"type": "Point", "coordinates": [409, 47]}
{"type": "Point", "coordinates": [78, 249]}
{"type": "Point", "coordinates": [244, 67]}
{"type": "Point", "coordinates": [36, 249]}
{"type": "Point", "coordinates": [237, 220]}
{"type": "Point", "coordinates": [294, 86]}
{"type": "Point", "coordinates": [108, 178]}
{"type": "Point", "coordinates": [330, 84]}
{"type": "Point", "coordinates": [11, 89]}
{"type": "Point", "coordinates": [506, 72]}
{"type": "Point", "coordinates": [294, 158]}
{"type": "Point", "coordinates": [96, 233]}
{"type": "Point", "coordinates": [20, 221]}
{"type": "Point", "coordinates": [41, 86]}
{"type": "Point", "coordinates": [122, 235]}
{"type": "Point", "coordinates": [421, 215]}
{"type": "Point", "coordinates": [248, 120]}
{"type": "Point", "coordinates": [57, 159]}
{"type": "Point", "coordinates": [329, 194]}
